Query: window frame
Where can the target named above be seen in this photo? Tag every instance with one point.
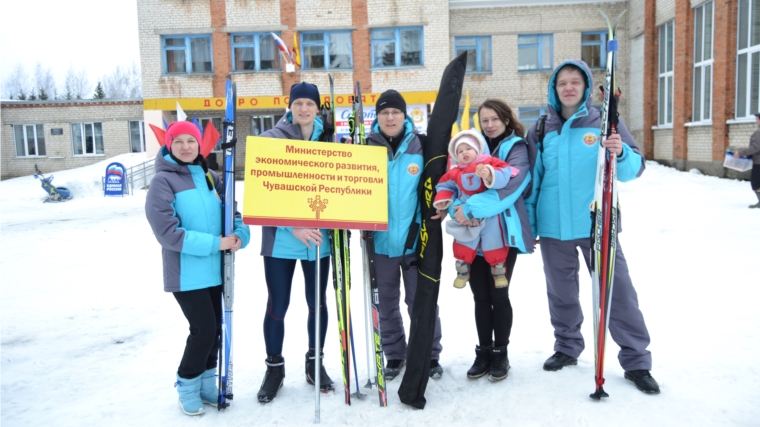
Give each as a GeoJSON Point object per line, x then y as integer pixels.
{"type": "Point", "coordinates": [188, 53]}
{"type": "Point", "coordinates": [256, 45]}
{"type": "Point", "coordinates": [665, 73]}
{"type": "Point", "coordinates": [701, 86]}
{"type": "Point", "coordinates": [478, 52]}
{"type": "Point", "coordinates": [397, 43]}
{"type": "Point", "coordinates": [37, 129]}
{"type": "Point", "coordinates": [602, 48]}
{"type": "Point", "coordinates": [744, 108]}
{"type": "Point", "coordinates": [540, 68]}
{"type": "Point", "coordinates": [326, 45]}
{"type": "Point", "coordinates": [141, 127]}
{"type": "Point", "coordinates": [82, 135]}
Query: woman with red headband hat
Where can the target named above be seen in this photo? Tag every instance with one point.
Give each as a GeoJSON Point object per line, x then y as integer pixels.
{"type": "Point", "coordinates": [185, 213]}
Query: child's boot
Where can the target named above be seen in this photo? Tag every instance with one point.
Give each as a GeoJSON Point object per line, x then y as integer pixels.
{"type": "Point", "coordinates": [463, 274]}
{"type": "Point", "coordinates": [499, 272]}
{"type": "Point", "coordinates": [190, 395]}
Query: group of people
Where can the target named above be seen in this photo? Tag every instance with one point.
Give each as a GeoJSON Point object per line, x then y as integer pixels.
{"type": "Point", "coordinates": [506, 189]}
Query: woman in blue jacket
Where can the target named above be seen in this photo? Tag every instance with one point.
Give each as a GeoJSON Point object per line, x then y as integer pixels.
{"type": "Point", "coordinates": [185, 213]}
{"type": "Point", "coordinates": [493, 310]}
{"type": "Point", "coordinates": [283, 247]}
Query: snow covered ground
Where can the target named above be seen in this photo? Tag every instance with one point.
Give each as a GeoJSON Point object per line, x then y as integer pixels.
{"type": "Point", "coordinates": [89, 337]}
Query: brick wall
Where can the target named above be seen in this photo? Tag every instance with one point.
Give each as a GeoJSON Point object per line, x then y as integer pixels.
{"type": "Point", "coordinates": [152, 18]}
{"type": "Point", "coordinates": [663, 144]}
{"type": "Point", "coordinates": [739, 134]}
{"type": "Point", "coordinates": [566, 23]}
{"type": "Point", "coordinates": [666, 10]}
{"type": "Point", "coordinates": [114, 117]}
{"type": "Point", "coordinates": [635, 117]}
{"type": "Point", "coordinates": [699, 140]}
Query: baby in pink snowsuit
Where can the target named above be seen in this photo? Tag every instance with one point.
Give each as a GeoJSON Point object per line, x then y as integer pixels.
{"type": "Point", "coordinates": [474, 172]}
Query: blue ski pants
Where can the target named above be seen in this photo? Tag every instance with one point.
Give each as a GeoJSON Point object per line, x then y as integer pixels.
{"type": "Point", "coordinates": [279, 277]}
{"type": "Point", "coordinates": [626, 325]}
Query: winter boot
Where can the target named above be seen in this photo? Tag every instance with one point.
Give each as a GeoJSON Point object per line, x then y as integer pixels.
{"type": "Point", "coordinates": [325, 383]}
{"type": "Point", "coordinates": [190, 395]}
{"type": "Point", "coordinates": [393, 368]}
{"type": "Point", "coordinates": [482, 362]}
{"type": "Point", "coordinates": [756, 205]}
{"type": "Point", "coordinates": [499, 363]}
{"type": "Point", "coordinates": [643, 380]}
{"type": "Point", "coordinates": [209, 389]}
{"type": "Point", "coordinates": [499, 275]}
{"type": "Point", "coordinates": [436, 370]}
{"type": "Point", "coordinates": [558, 361]}
{"type": "Point", "coordinates": [273, 378]}
{"type": "Point", "coordinates": [463, 274]}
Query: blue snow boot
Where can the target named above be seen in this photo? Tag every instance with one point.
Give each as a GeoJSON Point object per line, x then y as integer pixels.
{"type": "Point", "coordinates": [209, 388]}
{"type": "Point", "coordinates": [190, 395]}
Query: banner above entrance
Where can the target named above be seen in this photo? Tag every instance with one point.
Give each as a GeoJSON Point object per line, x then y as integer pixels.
{"type": "Point", "coordinates": [273, 102]}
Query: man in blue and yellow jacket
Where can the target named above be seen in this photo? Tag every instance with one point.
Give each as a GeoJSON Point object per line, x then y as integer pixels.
{"type": "Point", "coordinates": [394, 130]}
{"type": "Point", "coordinates": [563, 190]}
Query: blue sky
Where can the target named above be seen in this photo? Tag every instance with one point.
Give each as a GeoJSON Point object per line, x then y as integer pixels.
{"type": "Point", "coordinates": [97, 35]}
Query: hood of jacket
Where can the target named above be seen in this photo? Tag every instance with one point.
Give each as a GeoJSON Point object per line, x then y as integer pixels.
{"type": "Point", "coordinates": [554, 102]}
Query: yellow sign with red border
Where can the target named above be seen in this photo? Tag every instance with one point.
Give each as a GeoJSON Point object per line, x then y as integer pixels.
{"type": "Point", "coordinates": [292, 183]}
{"type": "Point", "coordinates": [273, 102]}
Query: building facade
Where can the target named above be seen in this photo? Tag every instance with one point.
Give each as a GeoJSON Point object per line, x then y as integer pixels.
{"type": "Point", "coordinates": [688, 70]}
{"type": "Point", "coordinates": [59, 135]}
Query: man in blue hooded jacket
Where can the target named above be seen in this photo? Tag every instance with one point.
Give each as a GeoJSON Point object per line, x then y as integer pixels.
{"type": "Point", "coordinates": [563, 190]}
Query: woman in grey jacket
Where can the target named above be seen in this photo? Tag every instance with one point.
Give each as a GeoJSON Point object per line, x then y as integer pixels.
{"type": "Point", "coordinates": [185, 213]}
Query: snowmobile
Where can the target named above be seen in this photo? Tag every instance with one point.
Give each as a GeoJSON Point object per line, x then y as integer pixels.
{"type": "Point", "coordinates": [55, 194]}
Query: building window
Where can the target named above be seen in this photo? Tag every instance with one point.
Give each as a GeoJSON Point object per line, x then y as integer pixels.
{"type": "Point", "coordinates": [326, 50]}
{"type": "Point", "coordinates": [748, 59]}
{"type": "Point", "coordinates": [187, 54]}
{"type": "Point", "coordinates": [137, 136]}
{"type": "Point", "coordinates": [30, 140]}
{"type": "Point", "coordinates": [217, 121]}
{"type": "Point", "coordinates": [594, 49]}
{"type": "Point", "coordinates": [665, 81]}
{"type": "Point", "coordinates": [261, 124]}
{"type": "Point", "coordinates": [534, 52]}
{"type": "Point", "coordinates": [397, 47]}
{"type": "Point", "coordinates": [703, 62]}
{"type": "Point", "coordinates": [478, 53]}
{"type": "Point", "coordinates": [528, 115]}
{"type": "Point", "coordinates": [87, 138]}
{"type": "Point", "coordinates": [254, 52]}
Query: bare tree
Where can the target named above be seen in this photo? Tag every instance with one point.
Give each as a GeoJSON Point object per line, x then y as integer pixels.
{"type": "Point", "coordinates": [18, 85]}
{"type": "Point", "coordinates": [123, 82]}
{"type": "Point", "coordinates": [44, 82]}
{"type": "Point", "coordinates": [77, 85]}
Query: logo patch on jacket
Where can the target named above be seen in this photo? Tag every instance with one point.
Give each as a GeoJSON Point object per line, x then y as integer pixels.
{"type": "Point", "coordinates": [590, 138]}
{"type": "Point", "coordinates": [413, 169]}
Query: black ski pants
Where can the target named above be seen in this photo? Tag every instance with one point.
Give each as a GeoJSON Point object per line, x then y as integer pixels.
{"type": "Point", "coordinates": [493, 310]}
{"type": "Point", "coordinates": [203, 310]}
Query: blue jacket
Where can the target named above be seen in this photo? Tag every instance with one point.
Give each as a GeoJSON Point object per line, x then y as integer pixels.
{"type": "Point", "coordinates": [186, 218]}
{"type": "Point", "coordinates": [563, 186]}
{"type": "Point", "coordinates": [509, 201]}
{"type": "Point", "coordinates": [279, 242]}
{"type": "Point", "coordinates": [404, 173]}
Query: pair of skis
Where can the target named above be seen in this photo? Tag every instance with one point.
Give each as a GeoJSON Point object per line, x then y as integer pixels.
{"type": "Point", "coordinates": [228, 257]}
{"type": "Point", "coordinates": [604, 215]}
{"type": "Point", "coordinates": [342, 276]}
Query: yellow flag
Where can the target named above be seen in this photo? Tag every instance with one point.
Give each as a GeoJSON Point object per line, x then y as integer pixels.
{"type": "Point", "coordinates": [476, 121]}
{"type": "Point", "coordinates": [465, 124]}
{"type": "Point", "coordinates": [454, 129]}
{"type": "Point", "coordinates": [296, 50]}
